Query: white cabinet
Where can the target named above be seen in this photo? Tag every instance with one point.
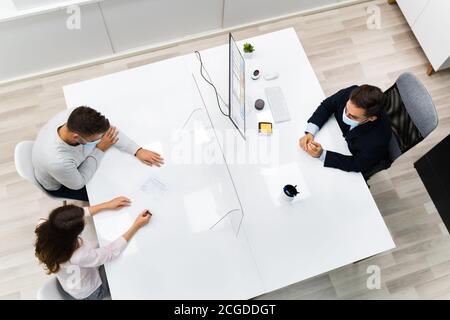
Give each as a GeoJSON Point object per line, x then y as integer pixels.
{"type": "Point", "coordinates": [412, 9]}
{"type": "Point", "coordinates": [430, 22]}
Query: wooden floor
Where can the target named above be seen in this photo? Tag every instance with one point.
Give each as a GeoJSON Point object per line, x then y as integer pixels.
{"type": "Point", "coordinates": [343, 51]}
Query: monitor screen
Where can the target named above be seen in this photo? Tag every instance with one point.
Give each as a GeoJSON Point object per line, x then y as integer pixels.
{"type": "Point", "coordinates": [236, 87]}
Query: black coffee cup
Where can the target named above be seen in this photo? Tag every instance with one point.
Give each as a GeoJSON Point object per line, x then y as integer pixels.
{"type": "Point", "coordinates": [290, 192]}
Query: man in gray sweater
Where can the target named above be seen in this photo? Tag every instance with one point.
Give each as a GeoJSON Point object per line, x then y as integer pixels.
{"type": "Point", "coordinates": [62, 159]}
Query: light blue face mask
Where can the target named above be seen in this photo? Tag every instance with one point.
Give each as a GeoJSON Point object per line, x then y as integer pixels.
{"type": "Point", "coordinates": [92, 143]}
{"type": "Point", "coordinates": [352, 123]}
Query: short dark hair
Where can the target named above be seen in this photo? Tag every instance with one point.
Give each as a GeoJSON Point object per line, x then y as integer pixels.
{"type": "Point", "coordinates": [58, 237]}
{"type": "Point", "coordinates": [369, 98]}
{"type": "Point", "coordinates": [87, 121]}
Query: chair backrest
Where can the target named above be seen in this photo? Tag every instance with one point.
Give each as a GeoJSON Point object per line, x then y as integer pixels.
{"type": "Point", "coordinates": [49, 291]}
{"type": "Point", "coordinates": [418, 103]}
{"type": "Point", "coordinates": [22, 160]}
{"type": "Point", "coordinates": [412, 113]}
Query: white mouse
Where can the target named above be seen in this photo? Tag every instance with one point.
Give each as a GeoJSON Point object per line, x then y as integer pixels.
{"type": "Point", "coordinates": [271, 76]}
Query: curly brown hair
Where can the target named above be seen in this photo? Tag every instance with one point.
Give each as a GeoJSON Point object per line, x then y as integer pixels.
{"type": "Point", "coordinates": [58, 237]}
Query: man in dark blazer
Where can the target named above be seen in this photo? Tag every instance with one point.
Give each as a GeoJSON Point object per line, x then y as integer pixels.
{"type": "Point", "coordinates": [365, 126]}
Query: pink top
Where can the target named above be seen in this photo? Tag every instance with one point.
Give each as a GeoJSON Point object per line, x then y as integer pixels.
{"type": "Point", "coordinates": [80, 277]}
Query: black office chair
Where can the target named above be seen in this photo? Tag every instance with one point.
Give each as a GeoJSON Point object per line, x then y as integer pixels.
{"type": "Point", "coordinates": [413, 117]}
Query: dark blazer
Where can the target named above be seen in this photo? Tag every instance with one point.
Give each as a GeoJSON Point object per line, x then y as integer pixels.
{"type": "Point", "coordinates": [368, 142]}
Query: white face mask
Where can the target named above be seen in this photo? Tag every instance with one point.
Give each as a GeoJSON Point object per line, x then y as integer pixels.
{"type": "Point", "coordinates": [352, 123]}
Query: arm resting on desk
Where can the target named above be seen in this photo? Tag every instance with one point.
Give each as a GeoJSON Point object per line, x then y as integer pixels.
{"type": "Point", "coordinates": [126, 144]}
{"type": "Point", "coordinates": [99, 256]}
{"type": "Point", "coordinates": [312, 128]}
{"type": "Point", "coordinates": [328, 107]}
{"type": "Point", "coordinates": [360, 162]}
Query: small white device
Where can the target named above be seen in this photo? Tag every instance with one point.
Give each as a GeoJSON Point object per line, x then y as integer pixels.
{"type": "Point", "coordinates": [270, 76]}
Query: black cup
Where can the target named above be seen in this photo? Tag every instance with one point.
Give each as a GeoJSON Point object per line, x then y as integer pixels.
{"type": "Point", "coordinates": [290, 190]}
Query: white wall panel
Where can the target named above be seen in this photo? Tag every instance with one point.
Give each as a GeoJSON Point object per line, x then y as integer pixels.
{"type": "Point", "coordinates": [246, 11]}
{"type": "Point", "coordinates": [41, 42]}
{"type": "Point", "coordinates": [136, 23]}
{"type": "Point", "coordinates": [38, 43]}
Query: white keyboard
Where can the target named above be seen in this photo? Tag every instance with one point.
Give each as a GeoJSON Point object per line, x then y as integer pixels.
{"type": "Point", "coordinates": [277, 104]}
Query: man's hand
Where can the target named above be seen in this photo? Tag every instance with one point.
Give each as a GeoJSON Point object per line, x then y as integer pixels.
{"type": "Point", "coordinates": [304, 141]}
{"type": "Point", "coordinates": [314, 149]}
{"type": "Point", "coordinates": [108, 139]}
{"type": "Point", "coordinates": [118, 203]}
{"type": "Point", "coordinates": [149, 157]}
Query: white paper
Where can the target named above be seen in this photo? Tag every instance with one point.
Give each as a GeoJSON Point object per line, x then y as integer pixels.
{"type": "Point", "coordinates": [155, 189]}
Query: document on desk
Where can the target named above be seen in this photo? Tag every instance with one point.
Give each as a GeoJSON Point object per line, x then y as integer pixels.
{"type": "Point", "coordinates": [154, 186]}
{"type": "Point", "coordinates": [155, 189]}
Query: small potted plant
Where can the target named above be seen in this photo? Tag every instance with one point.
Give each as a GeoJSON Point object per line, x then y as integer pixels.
{"type": "Point", "coordinates": [248, 50]}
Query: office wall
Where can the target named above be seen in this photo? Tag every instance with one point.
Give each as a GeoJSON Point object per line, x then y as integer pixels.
{"type": "Point", "coordinates": [238, 12]}
{"type": "Point", "coordinates": [36, 44]}
{"type": "Point", "coordinates": [137, 23]}
{"type": "Point", "coordinates": [41, 42]}
{"type": "Point", "coordinates": [25, 4]}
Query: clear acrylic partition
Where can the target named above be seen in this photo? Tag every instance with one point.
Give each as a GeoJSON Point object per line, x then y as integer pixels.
{"type": "Point", "coordinates": [199, 125]}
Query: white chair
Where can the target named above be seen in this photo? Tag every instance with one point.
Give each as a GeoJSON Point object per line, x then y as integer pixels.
{"type": "Point", "coordinates": [24, 166]}
{"type": "Point", "coordinates": [49, 291]}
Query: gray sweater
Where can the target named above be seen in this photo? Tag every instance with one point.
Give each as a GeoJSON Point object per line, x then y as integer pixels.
{"type": "Point", "coordinates": [57, 163]}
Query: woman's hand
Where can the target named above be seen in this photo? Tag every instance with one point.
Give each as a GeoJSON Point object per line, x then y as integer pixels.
{"type": "Point", "coordinates": [117, 203]}
{"type": "Point", "coordinates": [113, 204]}
{"type": "Point", "coordinates": [141, 220]}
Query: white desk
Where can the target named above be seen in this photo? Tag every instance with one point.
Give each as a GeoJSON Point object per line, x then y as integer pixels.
{"type": "Point", "coordinates": [337, 222]}
{"type": "Point", "coordinates": [176, 255]}
{"type": "Point", "coordinates": [334, 223]}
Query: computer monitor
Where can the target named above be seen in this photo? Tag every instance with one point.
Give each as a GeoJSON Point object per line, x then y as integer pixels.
{"type": "Point", "coordinates": [236, 89]}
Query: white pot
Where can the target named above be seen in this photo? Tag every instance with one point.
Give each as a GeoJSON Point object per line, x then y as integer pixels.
{"type": "Point", "coordinates": [248, 55]}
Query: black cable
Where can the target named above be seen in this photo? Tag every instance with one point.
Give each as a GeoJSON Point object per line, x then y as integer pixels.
{"type": "Point", "coordinates": [210, 83]}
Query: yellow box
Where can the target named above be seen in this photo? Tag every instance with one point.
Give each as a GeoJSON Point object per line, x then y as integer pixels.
{"type": "Point", "coordinates": [265, 127]}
